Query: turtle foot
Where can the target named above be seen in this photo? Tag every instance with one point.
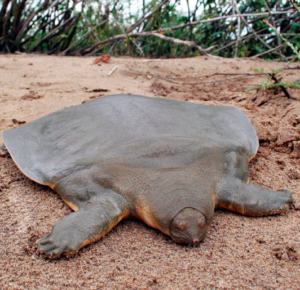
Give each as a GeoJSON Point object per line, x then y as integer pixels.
{"type": "Point", "coordinates": [83, 227]}
{"type": "Point", "coordinates": [281, 201]}
{"type": "Point", "coordinates": [58, 243]}
{"type": "Point", "coordinates": [252, 199]}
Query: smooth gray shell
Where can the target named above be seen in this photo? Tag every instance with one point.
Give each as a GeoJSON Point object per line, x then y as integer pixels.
{"type": "Point", "coordinates": [125, 129]}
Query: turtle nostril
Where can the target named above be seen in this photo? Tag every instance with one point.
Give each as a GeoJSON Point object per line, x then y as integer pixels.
{"type": "Point", "coordinates": [196, 242]}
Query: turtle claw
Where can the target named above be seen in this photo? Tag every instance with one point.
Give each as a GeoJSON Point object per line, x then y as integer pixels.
{"type": "Point", "coordinates": [58, 242]}
{"type": "Point", "coordinates": [283, 199]}
{"type": "Point", "coordinates": [47, 249]}
{"type": "Point", "coordinates": [54, 250]}
{"type": "Point", "coordinates": [288, 196]}
{"type": "Point", "coordinates": [54, 253]}
{"type": "Point", "coordinates": [50, 249]}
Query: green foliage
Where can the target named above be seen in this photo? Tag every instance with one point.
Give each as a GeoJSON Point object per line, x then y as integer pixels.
{"type": "Point", "coordinates": [295, 49]}
{"type": "Point", "coordinates": [257, 70]}
{"type": "Point", "coordinates": [271, 86]}
{"type": "Point", "coordinates": [266, 83]}
{"type": "Point", "coordinates": [73, 27]}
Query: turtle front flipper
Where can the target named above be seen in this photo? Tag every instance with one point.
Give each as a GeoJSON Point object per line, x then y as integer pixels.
{"type": "Point", "coordinates": [85, 226]}
{"type": "Point", "coordinates": [233, 193]}
{"type": "Point", "coordinates": [251, 199]}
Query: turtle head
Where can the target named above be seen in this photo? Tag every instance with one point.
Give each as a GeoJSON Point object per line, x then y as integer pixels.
{"type": "Point", "coordinates": [188, 227]}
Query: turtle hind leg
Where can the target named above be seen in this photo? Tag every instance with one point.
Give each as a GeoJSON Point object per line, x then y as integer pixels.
{"type": "Point", "coordinates": [85, 226]}
{"type": "Point", "coordinates": [3, 151]}
{"type": "Point", "coordinates": [251, 199]}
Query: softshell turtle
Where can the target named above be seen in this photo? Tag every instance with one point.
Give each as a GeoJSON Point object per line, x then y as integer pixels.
{"type": "Point", "coordinates": [168, 163]}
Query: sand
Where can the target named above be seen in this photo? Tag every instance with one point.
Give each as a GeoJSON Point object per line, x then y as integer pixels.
{"type": "Point", "coordinates": [238, 253]}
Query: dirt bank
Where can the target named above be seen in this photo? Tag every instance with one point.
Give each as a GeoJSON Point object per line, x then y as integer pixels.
{"type": "Point", "coordinates": [238, 253]}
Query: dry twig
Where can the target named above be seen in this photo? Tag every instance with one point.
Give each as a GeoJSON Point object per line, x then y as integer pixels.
{"type": "Point", "coordinates": [150, 33]}
{"type": "Point", "coordinates": [268, 51]}
{"type": "Point", "coordinates": [220, 18]}
{"type": "Point", "coordinates": [25, 25]}
{"type": "Point", "coordinates": [157, 33]}
{"type": "Point", "coordinates": [113, 70]}
{"type": "Point", "coordinates": [295, 6]}
{"type": "Point", "coordinates": [87, 34]}
{"type": "Point", "coordinates": [273, 77]}
{"type": "Point", "coordinates": [273, 22]}
{"type": "Point", "coordinates": [255, 33]}
{"type": "Point", "coordinates": [146, 16]}
{"type": "Point", "coordinates": [250, 35]}
{"type": "Point", "coordinates": [235, 7]}
{"type": "Point", "coordinates": [133, 41]}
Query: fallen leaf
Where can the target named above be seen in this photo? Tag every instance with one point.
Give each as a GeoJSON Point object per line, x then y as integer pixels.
{"type": "Point", "coordinates": [104, 58]}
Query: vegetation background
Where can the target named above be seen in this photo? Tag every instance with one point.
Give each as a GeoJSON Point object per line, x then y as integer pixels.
{"type": "Point", "coordinates": [233, 28]}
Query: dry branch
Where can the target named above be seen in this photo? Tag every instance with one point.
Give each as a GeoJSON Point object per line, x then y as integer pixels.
{"type": "Point", "coordinates": [257, 36]}
{"type": "Point", "coordinates": [295, 6]}
{"type": "Point", "coordinates": [84, 36]}
{"type": "Point", "coordinates": [31, 16]}
{"type": "Point", "coordinates": [148, 33]}
{"type": "Point", "coordinates": [155, 33]}
{"type": "Point", "coordinates": [235, 7]}
{"type": "Point", "coordinates": [44, 7]}
{"type": "Point", "coordinates": [3, 11]}
{"type": "Point", "coordinates": [268, 51]}
{"type": "Point", "coordinates": [146, 16]}
{"type": "Point", "coordinates": [242, 38]}
{"type": "Point", "coordinates": [197, 6]}
{"type": "Point", "coordinates": [272, 21]}
{"type": "Point", "coordinates": [221, 18]}
{"type": "Point", "coordinates": [20, 24]}
{"type": "Point", "coordinates": [51, 33]}
{"type": "Point", "coordinates": [125, 32]}
{"type": "Point", "coordinates": [52, 20]}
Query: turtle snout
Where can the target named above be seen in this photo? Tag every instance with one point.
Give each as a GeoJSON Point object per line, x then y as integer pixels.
{"type": "Point", "coordinates": [198, 236]}
{"type": "Point", "coordinates": [196, 242]}
{"type": "Point", "coordinates": [188, 227]}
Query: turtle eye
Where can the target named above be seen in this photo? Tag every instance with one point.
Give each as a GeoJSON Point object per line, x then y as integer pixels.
{"type": "Point", "coordinates": [201, 223]}
{"type": "Point", "coordinates": [181, 225]}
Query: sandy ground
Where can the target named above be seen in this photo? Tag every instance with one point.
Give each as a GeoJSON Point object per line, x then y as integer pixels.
{"type": "Point", "coordinates": [238, 253]}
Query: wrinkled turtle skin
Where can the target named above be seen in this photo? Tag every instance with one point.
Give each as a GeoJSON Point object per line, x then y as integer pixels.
{"type": "Point", "coordinates": [168, 163]}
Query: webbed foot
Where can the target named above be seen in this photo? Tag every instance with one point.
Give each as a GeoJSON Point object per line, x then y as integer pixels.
{"type": "Point", "coordinates": [252, 199]}
{"type": "Point", "coordinates": [84, 226]}
{"type": "Point", "coordinates": [62, 240]}
{"type": "Point", "coordinates": [280, 201]}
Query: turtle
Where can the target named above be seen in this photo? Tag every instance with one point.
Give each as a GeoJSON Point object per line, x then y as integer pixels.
{"type": "Point", "coordinates": [168, 163]}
